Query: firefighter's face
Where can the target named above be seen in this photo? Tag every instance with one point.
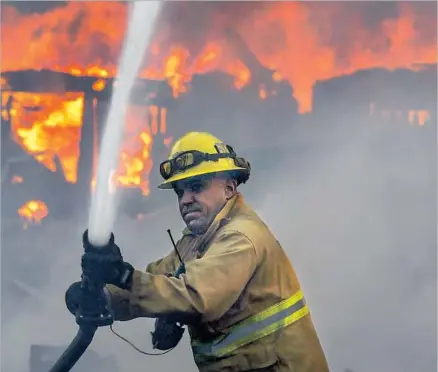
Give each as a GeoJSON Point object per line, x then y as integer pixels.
{"type": "Point", "coordinates": [201, 199]}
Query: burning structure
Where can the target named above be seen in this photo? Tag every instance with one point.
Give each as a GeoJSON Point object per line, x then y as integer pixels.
{"type": "Point", "coordinates": [58, 74]}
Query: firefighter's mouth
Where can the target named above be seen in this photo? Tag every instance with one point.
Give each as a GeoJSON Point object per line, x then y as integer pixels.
{"type": "Point", "coordinates": [192, 215]}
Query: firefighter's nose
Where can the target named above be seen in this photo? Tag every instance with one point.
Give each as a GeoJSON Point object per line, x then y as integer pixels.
{"type": "Point", "coordinates": [187, 197]}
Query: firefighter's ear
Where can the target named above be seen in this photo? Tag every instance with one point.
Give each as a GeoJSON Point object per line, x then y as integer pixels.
{"type": "Point", "coordinates": [230, 188]}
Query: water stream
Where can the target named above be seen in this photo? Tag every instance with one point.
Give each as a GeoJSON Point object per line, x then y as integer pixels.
{"type": "Point", "coordinates": [103, 208]}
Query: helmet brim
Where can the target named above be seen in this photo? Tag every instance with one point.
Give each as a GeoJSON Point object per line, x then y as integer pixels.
{"type": "Point", "coordinates": [168, 185]}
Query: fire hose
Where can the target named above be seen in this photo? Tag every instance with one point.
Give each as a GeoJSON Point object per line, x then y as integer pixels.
{"type": "Point", "coordinates": [75, 350]}
{"type": "Point", "coordinates": [94, 312]}
{"type": "Point", "coordinates": [90, 315]}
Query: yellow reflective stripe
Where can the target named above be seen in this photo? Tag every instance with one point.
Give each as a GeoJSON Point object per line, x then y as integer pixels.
{"type": "Point", "coordinates": [273, 309]}
{"type": "Point", "coordinates": [264, 332]}
{"type": "Point", "coordinates": [255, 327]}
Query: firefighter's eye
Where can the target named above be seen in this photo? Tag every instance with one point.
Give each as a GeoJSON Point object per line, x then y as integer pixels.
{"type": "Point", "coordinates": [179, 192]}
{"type": "Point", "coordinates": [197, 187]}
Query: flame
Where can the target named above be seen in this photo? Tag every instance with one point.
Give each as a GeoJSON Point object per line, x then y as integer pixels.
{"type": "Point", "coordinates": [294, 39]}
{"type": "Point", "coordinates": [419, 117]}
{"type": "Point", "coordinates": [264, 93]}
{"type": "Point", "coordinates": [296, 42]}
{"type": "Point", "coordinates": [16, 179]}
{"type": "Point", "coordinates": [33, 211]}
{"type": "Point", "coordinates": [413, 117]}
{"type": "Point", "coordinates": [135, 158]}
{"type": "Point", "coordinates": [99, 85]}
{"type": "Point", "coordinates": [48, 126]}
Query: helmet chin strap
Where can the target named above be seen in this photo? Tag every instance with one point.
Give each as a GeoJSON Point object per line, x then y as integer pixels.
{"type": "Point", "coordinates": [235, 192]}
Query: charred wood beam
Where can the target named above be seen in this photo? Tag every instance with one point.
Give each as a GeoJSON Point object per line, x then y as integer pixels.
{"type": "Point", "coordinates": [145, 91]}
{"type": "Point", "coordinates": [260, 74]}
{"type": "Point", "coordinates": [45, 81]}
{"type": "Point", "coordinates": [398, 89]}
{"type": "Point", "coordinates": [87, 146]}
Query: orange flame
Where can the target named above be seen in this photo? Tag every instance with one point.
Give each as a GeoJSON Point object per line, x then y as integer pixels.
{"type": "Point", "coordinates": [296, 41]}
{"type": "Point", "coordinates": [33, 211]}
{"type": "Point", "coordinates": [17, 179]}
{"type": "Point", "coordinates": [419, 117]}
{"type": "Point", "coordinates": [414, 117]}
{"type": "Point", "coordinates": [291, 38]}
{"type": "Point", "coordinates": [99, 85]}
{"type": "Point", "coordinates": [298, 47]}
{"type": "Point", "coordinates": [48, 125]}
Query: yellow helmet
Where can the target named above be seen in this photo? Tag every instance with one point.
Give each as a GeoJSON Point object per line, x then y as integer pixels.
{"type": "Point", "coordinates": [200, 153]}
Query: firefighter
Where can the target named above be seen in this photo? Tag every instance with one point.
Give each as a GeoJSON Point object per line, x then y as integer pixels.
{"type": "Point", "coordinates": [237, 291]}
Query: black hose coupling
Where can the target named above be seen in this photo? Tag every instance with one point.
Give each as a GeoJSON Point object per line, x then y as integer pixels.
{"type": "Point", "coordinates": [94, 307]}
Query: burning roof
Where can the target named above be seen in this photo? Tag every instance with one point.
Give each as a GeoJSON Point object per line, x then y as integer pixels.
{"type": "Point", "coordinates": [256, 44]}
{"type": "Point", "coordinates": [302, 42]}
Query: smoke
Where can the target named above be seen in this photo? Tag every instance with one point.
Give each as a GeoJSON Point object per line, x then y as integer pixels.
{"type": "Point", "coordinates": [359, 225]}
{"type": "Point", "coordinates": [357, 218]}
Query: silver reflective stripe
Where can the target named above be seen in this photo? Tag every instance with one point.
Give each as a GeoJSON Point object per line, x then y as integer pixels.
{"type": "Point", "coordinates": [245, 331]}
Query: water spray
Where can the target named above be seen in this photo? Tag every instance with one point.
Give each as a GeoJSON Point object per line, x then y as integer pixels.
{"type": "Point", "coordinates": [103, 203]}
{"type": "Point", "coordinates": [103, 207]}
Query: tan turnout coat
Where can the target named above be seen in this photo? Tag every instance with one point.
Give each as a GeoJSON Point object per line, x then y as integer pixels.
{"type": "Point", "coordinates": [235, 270]}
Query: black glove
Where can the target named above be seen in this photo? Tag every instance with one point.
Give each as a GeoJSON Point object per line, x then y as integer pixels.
{"type": "Point", "coordinates": [167, 334]}
{"type": "Point", "coordinates": [105, 264]}
{"type": "Point", "coordinates": [74, 297]}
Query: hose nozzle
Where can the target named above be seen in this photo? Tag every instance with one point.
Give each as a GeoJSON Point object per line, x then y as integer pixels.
{"type": "Point", "coordinates": [94, 308]}
{"type": "Point", "coordinates": [87, 244]}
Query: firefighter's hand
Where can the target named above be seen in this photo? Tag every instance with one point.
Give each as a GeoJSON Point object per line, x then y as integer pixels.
{"type": "Point", "coordinates": [167, 334]}
{"type": "Point", "coordinates": [106, 265]}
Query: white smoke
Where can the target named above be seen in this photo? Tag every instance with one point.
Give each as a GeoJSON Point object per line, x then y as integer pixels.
{"type": "Point", "coordinates": [357, 224]}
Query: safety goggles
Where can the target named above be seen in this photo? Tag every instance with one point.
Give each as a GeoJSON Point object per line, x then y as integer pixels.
{"type": "Point", "coordinates": [190, 159]}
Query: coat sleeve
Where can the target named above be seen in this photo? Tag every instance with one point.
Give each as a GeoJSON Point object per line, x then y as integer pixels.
{"type": "Point", "coordinates": [119, 298]}
{"type": "Point", "coordinates": [210, 286]}
{"type": "Point", "coordinates": [162, 266]}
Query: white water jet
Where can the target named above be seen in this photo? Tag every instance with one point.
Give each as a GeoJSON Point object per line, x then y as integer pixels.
{"type": "Point", "coordinates": [143, 15]}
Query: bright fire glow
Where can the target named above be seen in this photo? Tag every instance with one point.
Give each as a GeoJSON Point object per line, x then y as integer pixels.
{"type": "Point", "coordinates": [33, 211]}
{"type": "Point", "coordinates": [295, 40]}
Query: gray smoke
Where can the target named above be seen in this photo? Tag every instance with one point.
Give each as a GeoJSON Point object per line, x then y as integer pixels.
{"type": "Point", "coordinates": [357, 222]}
{"type": "Point", "coordinates": [359, 226]}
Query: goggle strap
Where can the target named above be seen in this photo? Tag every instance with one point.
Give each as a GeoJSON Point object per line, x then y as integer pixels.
{"type": "Point", "coordinates": [214, 157]}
